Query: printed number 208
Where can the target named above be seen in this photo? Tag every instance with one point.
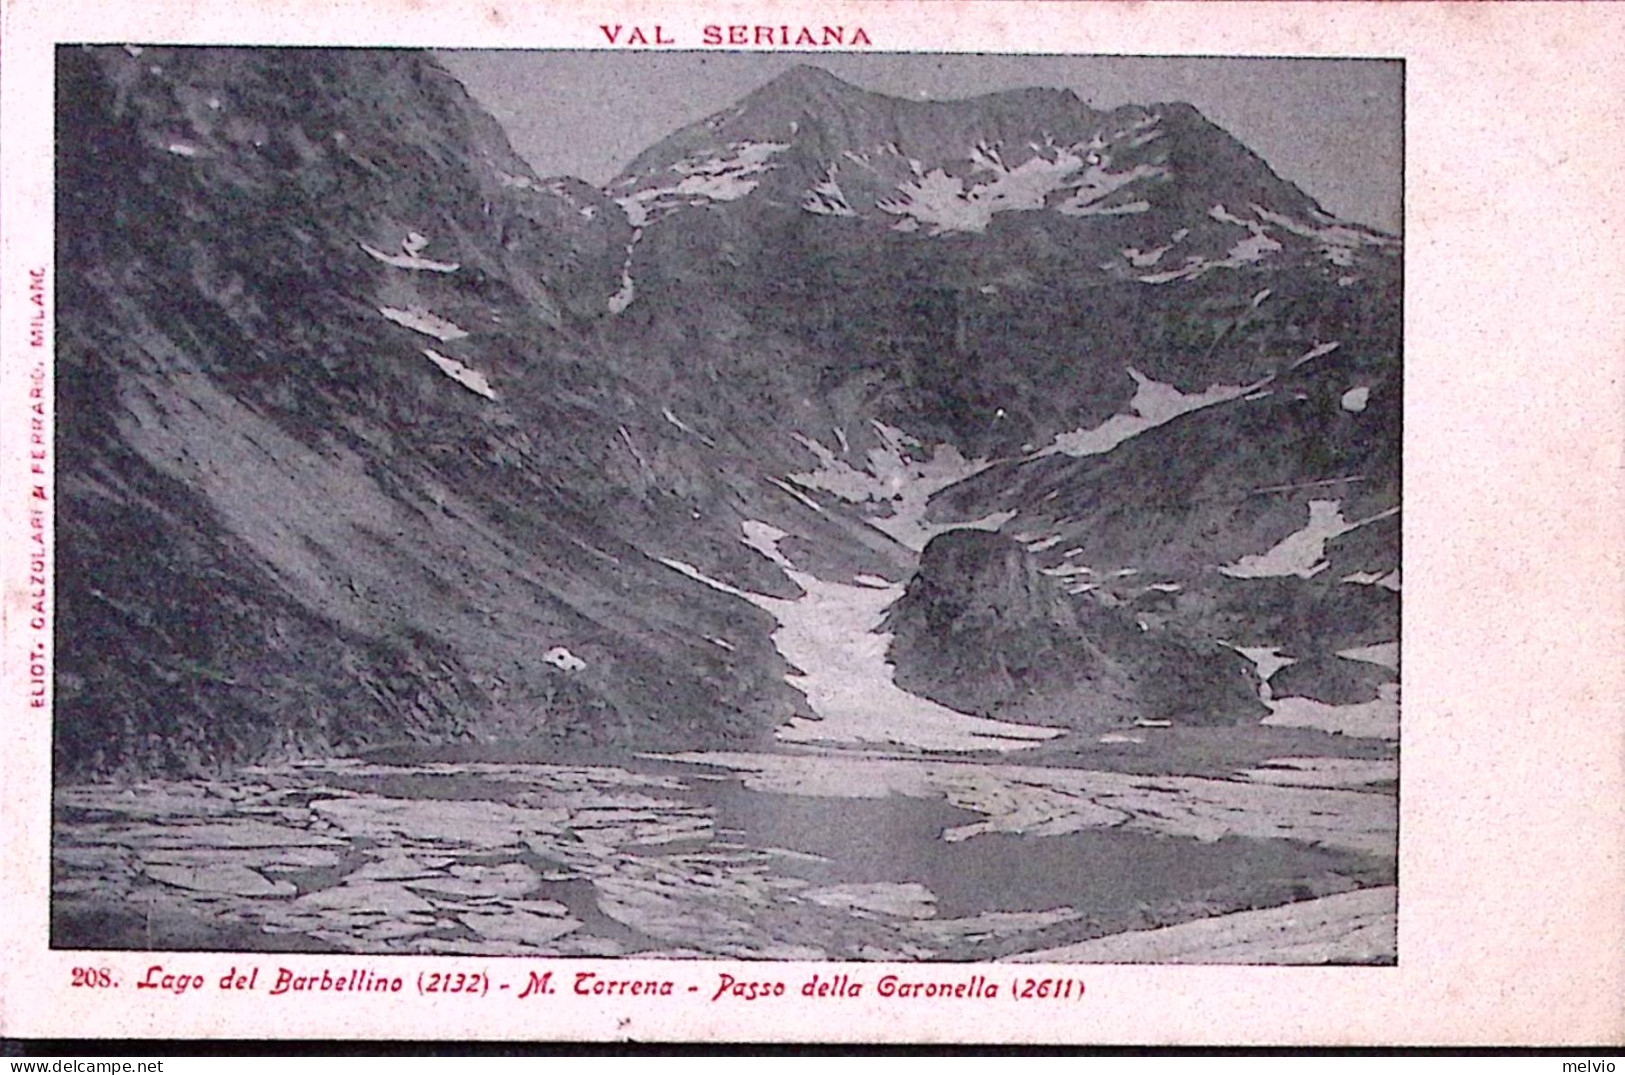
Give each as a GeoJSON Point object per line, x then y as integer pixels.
{"type": "Point", "coordinates": [93, 977]}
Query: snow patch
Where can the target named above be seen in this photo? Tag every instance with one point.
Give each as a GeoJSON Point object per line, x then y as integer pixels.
{"type": "Point", "coordinates": [940, 200]}
{"type": "Point", "coordinates": [1268, 660]}
{"type": "Point", "coordinates": [1255, 247]}
{"type": "Point", "coordinates": [1122, 209]}
{"type": "Point", "coordinates": [1338, 235]}
{"type": "Point", "coordinates": [666, 413]}
{"type": "Point", "coordinates": [1389, 581]}
{"type": "Point", "coordinates": [896, 474]}
{"type": "Point", "coordinates": [826, 198]}
{"type": "Point", "coordinates": [717, 179]}
{"type": "Point", "coordinates": [623, 297]}
{"type": "Point", "coordinates": [1301, 553]}
{"type": "Point", "coordinates": [1193, 267]}
{"type": "Point", "coordinates": [1144, 259]}
{"type": "Point", "coordinates": [1314, 353]}
{"type": "Point", "coordinates": [798, 495]}
{"type": "Point", "coordinates": [1258, 245]}
{"type": "Point", "coordinates": [1377, 719]}
{"type": "Point", "coordinates": [1337, 242]}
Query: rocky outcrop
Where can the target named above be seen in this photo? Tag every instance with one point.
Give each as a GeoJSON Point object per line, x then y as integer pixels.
{"type": "Point", "coordinates": [980, 630]}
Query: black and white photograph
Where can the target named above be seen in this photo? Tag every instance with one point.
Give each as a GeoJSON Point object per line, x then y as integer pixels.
{"type": "Point", "coordinates": [722, 505]}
